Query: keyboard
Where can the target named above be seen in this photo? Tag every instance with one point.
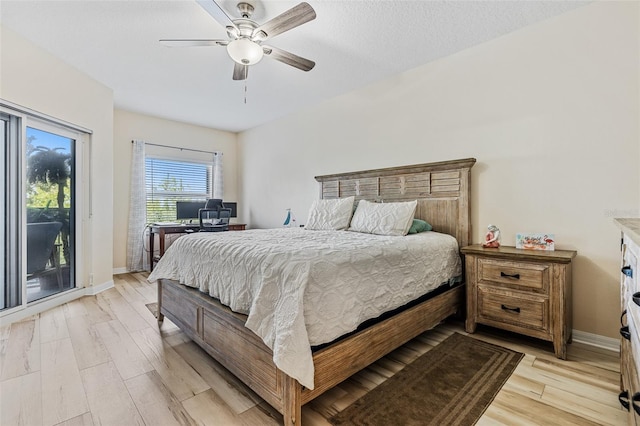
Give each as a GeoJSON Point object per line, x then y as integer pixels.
{"type": "Point", "coordinates": [165, 224]}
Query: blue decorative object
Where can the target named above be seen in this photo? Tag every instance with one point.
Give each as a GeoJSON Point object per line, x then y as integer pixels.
{"type": "Point", "coordinates": [287, 220]}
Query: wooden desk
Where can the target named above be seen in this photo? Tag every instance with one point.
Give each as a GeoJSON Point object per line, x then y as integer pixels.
{"type": "Point", "coordinates": [162, 230]}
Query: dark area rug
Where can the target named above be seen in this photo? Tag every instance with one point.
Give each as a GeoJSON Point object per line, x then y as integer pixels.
{"type": "Point", "coordinates": [452, 384]}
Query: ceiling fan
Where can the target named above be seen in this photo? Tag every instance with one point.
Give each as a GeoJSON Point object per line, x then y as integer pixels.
{"type": "Point", "coordinates": [244, 45]}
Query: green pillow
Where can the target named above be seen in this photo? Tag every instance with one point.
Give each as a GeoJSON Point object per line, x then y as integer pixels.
{"type": "Point", "coordinates": [419, 226]}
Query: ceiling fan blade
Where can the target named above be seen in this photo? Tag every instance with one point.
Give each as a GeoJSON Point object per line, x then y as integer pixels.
{"type": "Point", "coordinates": [193, 42]}
{"type": "Point", "coordinates": [240, 71]}
{"type": "Point", "coordinates": [219, 15]}
{"type": "Point", "coordinates": [292, 18]}
{"type": "Point", "coordinates": [289, 58]}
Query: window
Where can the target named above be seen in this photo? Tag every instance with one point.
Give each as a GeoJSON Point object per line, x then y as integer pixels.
{"type": "Point", "coordinates": [168, 181]}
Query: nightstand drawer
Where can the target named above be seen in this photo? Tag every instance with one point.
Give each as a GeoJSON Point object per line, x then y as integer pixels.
{"type": "Point", "coordinates": [526, 312]}
{"type": "Point", "coordinates": [516, 275]}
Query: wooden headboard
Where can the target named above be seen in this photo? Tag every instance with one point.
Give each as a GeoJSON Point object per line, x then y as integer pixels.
{"type": "Point", "coordinates": [442, 189]}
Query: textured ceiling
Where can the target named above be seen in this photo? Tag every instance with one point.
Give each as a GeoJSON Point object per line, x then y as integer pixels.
{"type": "Point", "coordinates": [353, 43]}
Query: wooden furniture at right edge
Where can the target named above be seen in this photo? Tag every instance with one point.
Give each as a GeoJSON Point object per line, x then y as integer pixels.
{"type": "Point", "coordinates": [630, 318]}
{"type": "Point", "coordinates": [524, 291]}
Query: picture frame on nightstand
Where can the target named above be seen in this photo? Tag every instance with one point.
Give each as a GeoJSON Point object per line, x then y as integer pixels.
{"type": "Point", "coordinates": [529, 241]}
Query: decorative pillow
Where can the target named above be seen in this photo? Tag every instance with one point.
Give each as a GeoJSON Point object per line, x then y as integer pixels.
{"type": "Point", "coordinates": [383, 218]}
{"type": "Point", "coordinates": [419, 226]}
{"type": "Point", "coordinates": [327, 215]}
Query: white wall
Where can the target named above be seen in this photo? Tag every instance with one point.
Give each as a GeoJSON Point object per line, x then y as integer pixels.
{"type": "Point", "coordinates": [35, 79]}
{"type": "Point", "coordinates": [129, 126]}
{"type": "Point", "coordinates": [550, 112]}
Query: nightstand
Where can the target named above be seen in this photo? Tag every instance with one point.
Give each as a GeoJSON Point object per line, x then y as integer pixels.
{"type": "Point", "coordinates": [524, 291]}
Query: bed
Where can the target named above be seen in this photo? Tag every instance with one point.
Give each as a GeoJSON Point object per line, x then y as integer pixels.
{"type": "Point", "coordinates": [442, 191]}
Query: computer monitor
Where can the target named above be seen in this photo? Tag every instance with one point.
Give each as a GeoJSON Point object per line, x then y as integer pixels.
{"type": "Point", "coordinates": [233, 206]}
{"type": "Point", "coordinates": [188, 209]}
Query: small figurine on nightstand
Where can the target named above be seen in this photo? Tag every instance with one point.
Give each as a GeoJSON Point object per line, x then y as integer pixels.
{"type": "Point", "coordinates": [492, 238]}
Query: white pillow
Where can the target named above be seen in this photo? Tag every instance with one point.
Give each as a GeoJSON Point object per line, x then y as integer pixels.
{"type": "Point", "coordinates": [326, 215]}
{"type": "Point", "coordinates": [383, 218]}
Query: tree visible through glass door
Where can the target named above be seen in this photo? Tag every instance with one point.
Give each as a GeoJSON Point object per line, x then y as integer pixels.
{"type": "Point", "coordinates": [50, 186]}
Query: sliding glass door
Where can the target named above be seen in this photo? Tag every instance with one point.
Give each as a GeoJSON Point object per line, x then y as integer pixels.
{"type": "Point", "coordinates": [38, 240]}
{"type": "Point", "coordinates": [11, 202]}
{"type": "Point", "coordinates": [50, 219]}
{"type": "Point", "coordinates": [3, 210]}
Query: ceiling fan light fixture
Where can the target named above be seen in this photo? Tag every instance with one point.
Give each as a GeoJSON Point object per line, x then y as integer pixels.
{"type": "Point", "coordinates": [245, 52]}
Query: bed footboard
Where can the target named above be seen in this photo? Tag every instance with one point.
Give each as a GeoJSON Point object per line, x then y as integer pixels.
{"type": "Point", "coordinates": [221, 333]}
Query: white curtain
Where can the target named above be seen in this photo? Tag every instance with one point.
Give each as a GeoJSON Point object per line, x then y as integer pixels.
{"type": "Point", "coordinates": [218, 181]}
{"type": "Point", "coordinates": [136, 255]}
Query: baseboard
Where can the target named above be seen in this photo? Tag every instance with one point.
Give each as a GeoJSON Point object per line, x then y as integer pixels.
{"type": "Point", "coordinates": [596, 340]}
{"type": "Point", "coordinates": [95, 289]}
{"type": "Point", "coordinates": [118, 271]}
{"type": "Point", "coordinates": [20, 312]}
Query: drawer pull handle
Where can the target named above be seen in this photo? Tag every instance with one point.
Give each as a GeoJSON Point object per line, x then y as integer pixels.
{"type": "Point", "coordinates": [622, 316]}
{"type": "Point", "coordinates": [506, 308]}
{"type": "Point", "coordinates": [514, 276]}
{"type": "Point", "coordinates": [624, 332]}
{"type": "Point", "coordinates": [626, 270]}
{"type": "Point", "coordinates": [636, 407]}
{"type": "Point", "coordinates": [623, 397]}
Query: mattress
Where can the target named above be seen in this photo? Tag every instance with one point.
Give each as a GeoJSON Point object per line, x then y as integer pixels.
{"type": "Point", "coordinates": [303, 288]}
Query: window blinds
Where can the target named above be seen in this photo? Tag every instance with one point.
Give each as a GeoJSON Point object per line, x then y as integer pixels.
{"type": "Point", "coordinates": [168, 181]}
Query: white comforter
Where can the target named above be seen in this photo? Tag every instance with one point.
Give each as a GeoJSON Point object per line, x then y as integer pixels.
{"type": "Point", "coordinates": [303, 288]}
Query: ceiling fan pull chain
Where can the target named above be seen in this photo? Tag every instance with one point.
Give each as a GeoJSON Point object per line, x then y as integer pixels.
{"type": "Point", "coordinates": [246, 77]}
{"type": "Point", "coordinates": [245, 91]}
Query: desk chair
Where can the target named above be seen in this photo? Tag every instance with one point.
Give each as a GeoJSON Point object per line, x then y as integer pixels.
{"type": "Point", "coordinates": [214, 203]}
{"type": "Point", "coordinates": [214, 220]}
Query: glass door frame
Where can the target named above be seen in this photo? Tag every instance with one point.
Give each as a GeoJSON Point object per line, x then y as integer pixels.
{"type": "Point", "coordinates": [75, 192]}
{"type": "Point", "coordinates": [11, 170]}
{"type": "Point", "coordinates": [81, 193]}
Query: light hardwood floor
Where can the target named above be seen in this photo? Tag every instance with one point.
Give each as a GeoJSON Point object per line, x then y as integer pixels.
{"type": "Point", "coordinates": [102, 360]}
